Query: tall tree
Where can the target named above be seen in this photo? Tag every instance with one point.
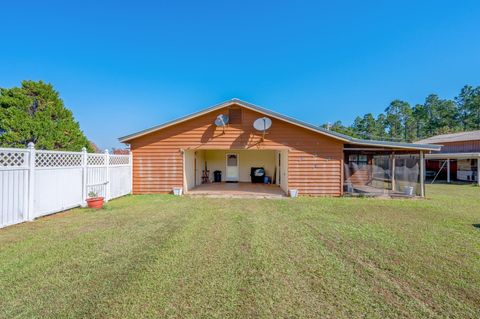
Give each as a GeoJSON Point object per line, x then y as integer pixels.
{"type": "Point", "coordinates": [468, 104]}
{"type": "Point", "coordinates": [420, 117]}
{"type": "Point", "coordinates": [340, 128]}
{"type": "Point", "coordinates": [434, 116]}
{"type": "Point", "coordinates": [365, 126]}
{"type": "Point", "coordinates": [442, 115]}
{"type": "Point", "coordinates": [370, 126]}
{"type": "Point", "coordinates": [358, 126]}
{"type": "Point", "coordinates": [380, 125]}
{"type": "Point", "coordinates": [399, 120]}
{"type": "Point", "coordinates": [35, 113]}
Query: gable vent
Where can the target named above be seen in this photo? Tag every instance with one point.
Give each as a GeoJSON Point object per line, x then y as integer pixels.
{"type": "Point", "coordinates": [235, 115]}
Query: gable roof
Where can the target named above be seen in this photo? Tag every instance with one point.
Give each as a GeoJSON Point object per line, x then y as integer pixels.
{"type": "Point", "coordinates": [453, 137]}
{"type": "Point", "coordinates": [308, 126]}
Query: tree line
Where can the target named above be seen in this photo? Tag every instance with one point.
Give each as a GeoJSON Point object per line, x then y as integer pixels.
{"type": "Point", "coordinates": [402, 122]}
{"type": "Point", "coordinates": [34, 112]}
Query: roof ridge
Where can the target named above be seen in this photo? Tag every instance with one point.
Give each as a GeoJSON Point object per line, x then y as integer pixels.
{"type": "Point", "coordinates": [285, 118]}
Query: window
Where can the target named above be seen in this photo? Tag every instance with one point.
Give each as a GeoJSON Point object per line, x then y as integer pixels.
{"type": "Point", "coordinates": [357, 159]}
{"type": "Point", "coordinates": [232, 160]}
{"type": "Point", "coordinates": [235, 115]}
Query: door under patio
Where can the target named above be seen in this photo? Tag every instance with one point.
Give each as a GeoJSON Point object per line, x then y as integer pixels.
{"type": "Point", "coordinates": [234, 167]}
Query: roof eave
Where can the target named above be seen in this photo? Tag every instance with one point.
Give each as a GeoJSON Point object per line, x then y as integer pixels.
{"type": "Point", "coordinates": [397, 145]}
{"type": "Point", "coordinates": [345, 138]}
{"type": "Point", "coordinates": [317, 129]}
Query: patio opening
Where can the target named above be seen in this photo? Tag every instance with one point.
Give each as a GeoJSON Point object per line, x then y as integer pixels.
{"type": "Point", "coordinates": [236, 172]}
{"type": "Point", "coordinates": [383, 174]}
{"type": "Point", "coordinates": [453, 168]}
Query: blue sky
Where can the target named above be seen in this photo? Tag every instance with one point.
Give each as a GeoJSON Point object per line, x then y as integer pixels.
{"type": "Point", "coordinates": [124, 66]}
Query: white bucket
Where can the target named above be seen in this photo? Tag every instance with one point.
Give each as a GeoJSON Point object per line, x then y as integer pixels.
{"type": "Point", "coordinates": [408, 190]}
{"type": "Point", "coordinates": [177, 191]}
{"type": "Point", "coordinates": [293, 192]}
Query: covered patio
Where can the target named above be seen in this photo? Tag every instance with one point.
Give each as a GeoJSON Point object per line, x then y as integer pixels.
{"type": "Point", "coordinates": [458, 167]}
{"type": "Point", "coordinates": [380, 172]}
{"type": "Point", "coordinates": [240, 190]}
{"type": "Point", "coordinates": [225, 172]}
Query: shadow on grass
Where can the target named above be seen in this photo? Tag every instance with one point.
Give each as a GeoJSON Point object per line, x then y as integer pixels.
{"type": "Point", "coordinates": [476, 225]}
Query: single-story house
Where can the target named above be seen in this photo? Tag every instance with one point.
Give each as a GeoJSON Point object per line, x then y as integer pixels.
{"type": "Point", "coordinates": [221, 143]}
{"type": "Point", "coordinates": [458, 159]}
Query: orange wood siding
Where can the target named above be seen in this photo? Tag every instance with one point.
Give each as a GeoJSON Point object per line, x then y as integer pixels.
{"type": "Point", "coordinates": [314, 161]}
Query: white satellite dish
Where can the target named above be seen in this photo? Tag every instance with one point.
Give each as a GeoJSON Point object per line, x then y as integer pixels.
{"type": "Point", "coordinates": [262, 124]}
{"type": "Point", "coordinates": [221, 120]}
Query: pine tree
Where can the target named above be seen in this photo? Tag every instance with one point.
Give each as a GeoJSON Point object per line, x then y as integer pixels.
{"type": "Point", "coordinates": [35, 113]}
{"type": "Point", "coordinates": [468, 104]}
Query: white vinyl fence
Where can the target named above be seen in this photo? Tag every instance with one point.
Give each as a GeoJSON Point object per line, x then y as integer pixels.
{"type": "Point", "coordinates": [36, 183]}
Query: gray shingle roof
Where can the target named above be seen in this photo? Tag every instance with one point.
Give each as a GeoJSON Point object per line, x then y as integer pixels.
{"type": "Point", "coordinates": [339, 136]}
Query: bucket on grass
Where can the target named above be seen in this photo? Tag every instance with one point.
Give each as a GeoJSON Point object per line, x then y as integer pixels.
{"type": "Point", "coordinates": [177, 191]}
{"type": "Point", "coordinates": [293, 192]}
{"type": "Point", "coordinates": [408, 190]}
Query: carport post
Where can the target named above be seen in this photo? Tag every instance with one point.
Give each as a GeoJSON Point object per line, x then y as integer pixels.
{"type": "Point", "coordinates": [393, 171]}
{"type": "Point", "coordinates": [422, 174]}
{"type": "Point", "coordinates": [478, 170]}
{"type": "Point", "coordinates": [448, 170]}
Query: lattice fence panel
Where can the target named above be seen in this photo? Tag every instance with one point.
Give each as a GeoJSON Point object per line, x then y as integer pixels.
{"type": "Point", "coordinates": [57, 159]}
{"type": "Point", "coordinates": [119, 159]}
{"type": "Point", "coordinates": [13, 159]}
{"type": "Point", "coordinates": [57, 181]}
{"type": "Point", "coordinates": [96, 159]}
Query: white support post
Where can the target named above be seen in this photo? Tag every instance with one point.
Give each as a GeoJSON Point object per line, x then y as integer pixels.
{"type": "Point", "coordinates": [393, 172]}
{"type": "Point", "coordinates": [84, 176]}
{"type": "Point", "coordinates": [448, 170]}
{"type": "Point", "coordinates": [31, 182]}
{"type": "Point", "coordinates": [478, 171]}
{"type": "Point", "coordinates": [185, 185]}
{"type": "Point", "coordinates": [422, 174]}
{"type": "Point", "coordinates": [130, 160]}
{"type": "Point", "coordinates": [107, 176]}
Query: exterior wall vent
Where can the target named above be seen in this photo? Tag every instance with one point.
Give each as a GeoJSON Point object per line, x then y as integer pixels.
{"type": "Point", "coordinates": [235, 115]}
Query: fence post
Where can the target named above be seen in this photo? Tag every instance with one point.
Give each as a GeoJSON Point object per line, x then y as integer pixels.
{"type": "Point", "coordinates": [84, 176]}
{"type": "Point", "coordinates": [130, 161]}
{"type": "Point", "coordinates": [107, 176]}
{"type": "Point", "coordinates": [31, 181]}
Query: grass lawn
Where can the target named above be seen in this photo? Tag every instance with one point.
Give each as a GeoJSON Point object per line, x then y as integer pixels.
{"type": "Point", "coordinates": [162, 256]}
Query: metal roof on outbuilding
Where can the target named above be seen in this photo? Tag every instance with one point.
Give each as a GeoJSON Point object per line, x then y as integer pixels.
{"type": "Point", "coordinates": [452, 137]}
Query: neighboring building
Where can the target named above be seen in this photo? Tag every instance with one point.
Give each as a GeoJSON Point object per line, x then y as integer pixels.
{"type": "Point", "coordinates": [120, 151]}
{"type": "Point", "coordinates": [458, 157]}
{"type": "Point", "coordinates": [295, 155]}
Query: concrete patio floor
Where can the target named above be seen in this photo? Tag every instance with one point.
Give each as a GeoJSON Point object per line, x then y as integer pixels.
{"type": "Point", "coordinates": [238, 190]}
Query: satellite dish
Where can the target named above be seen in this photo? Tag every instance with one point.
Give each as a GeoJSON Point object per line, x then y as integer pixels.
{"type": "Point", "coordinates": [221, 120]}
{"type": "Point", "coordinates": [262, 124]}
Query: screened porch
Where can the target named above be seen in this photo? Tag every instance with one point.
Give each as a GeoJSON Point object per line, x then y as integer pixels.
{"type": "Point", "coordinates": [383, 173]}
